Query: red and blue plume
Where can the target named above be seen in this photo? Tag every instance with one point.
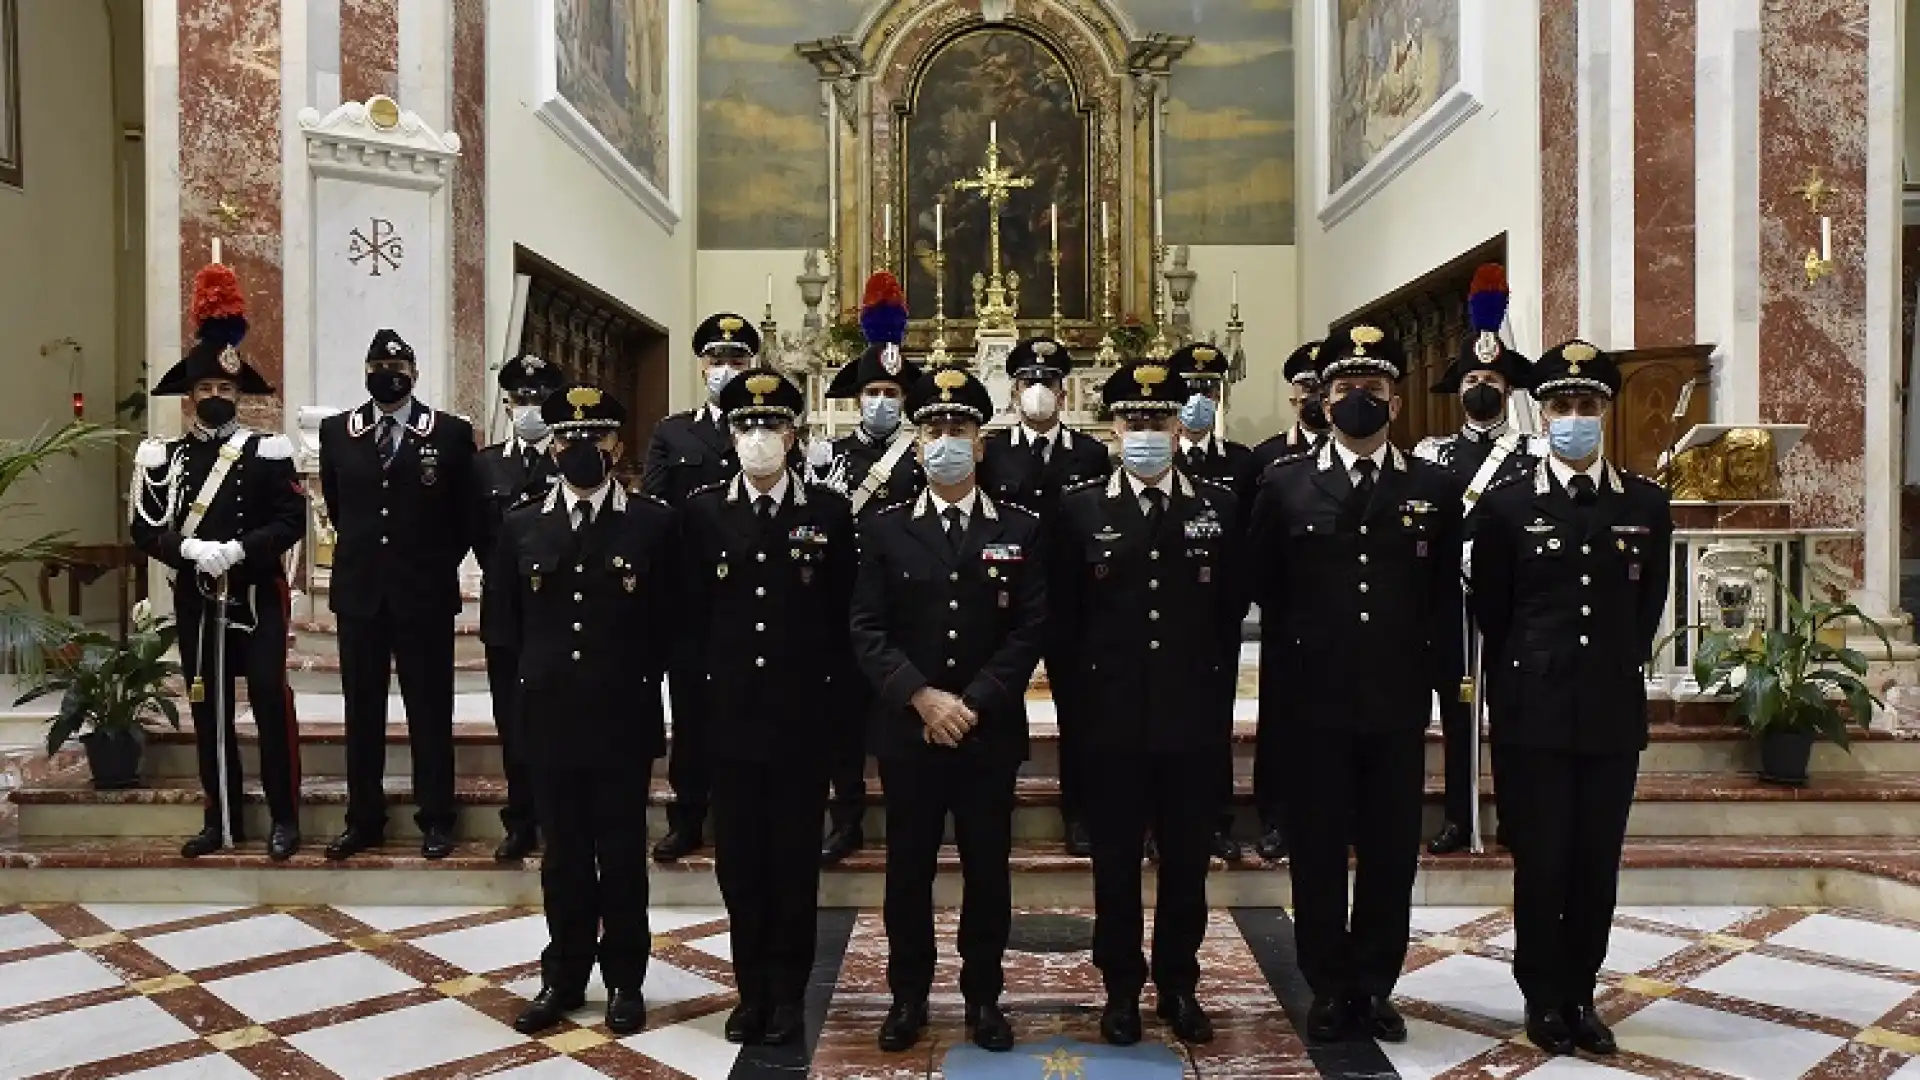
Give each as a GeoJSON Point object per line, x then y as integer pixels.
{"type": "Point", "coordinates": [1487, 298]}
{"type": "Point", "coordinates": [219, 307]}
{"type": "Point", "coordinates": [883, 310]}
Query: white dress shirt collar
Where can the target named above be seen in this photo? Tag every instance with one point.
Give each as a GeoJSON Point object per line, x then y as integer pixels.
{"type": "Point", "coordinates": [596, 499]}
{"type": "Point", "coordinates": [969, 504]}
{"type": "Point", "coordinates": [1565, 473]}
{"type": "Point", "coordinates": [1348, 457]}
{"type": "Point", "coordinates": [778, 494]}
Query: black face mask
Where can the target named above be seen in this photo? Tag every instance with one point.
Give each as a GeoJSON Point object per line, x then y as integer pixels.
{"type": "Point", "coordinates": [1484, 402]}
{"type": "Point", "coordinates": [214, 412]}
{"type": "Point", "coordinates": [1313, 414]}
{"type": "Point", "coordinates": [388, 387]}
{"type": "Point", "coordinates": [584, 465]}
{"type": "Point", "coordinates": [1360, 415]}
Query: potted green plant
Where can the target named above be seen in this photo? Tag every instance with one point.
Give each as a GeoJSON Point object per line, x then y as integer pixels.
{"type": "Point", "coordinates": [1792, 686]}
{"type": "Point", "coordinates": [27, 632]}
{"type": "Point", "coordinates": [112, 690]}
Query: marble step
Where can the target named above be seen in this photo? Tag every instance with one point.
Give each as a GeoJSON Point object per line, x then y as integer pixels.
{"type": "Point", "coordinates": [1672, 749]}
{"type": "Point", "coordinates": [1667, 804]}
{"type": "Point", "coordinates": [319, 637]}
{"type": "Point", "coordinates": [1875, 873]}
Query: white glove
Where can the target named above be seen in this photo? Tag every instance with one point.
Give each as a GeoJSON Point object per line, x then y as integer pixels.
{"type": "Point", "coordinates": [194, 550]}
{"type": "Point", "coordinates": [235, 553]}
{"type": "Point", "coordinates": [220, 558]}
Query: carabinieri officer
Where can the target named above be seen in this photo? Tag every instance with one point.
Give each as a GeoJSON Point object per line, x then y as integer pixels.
{"type": "Point", "coordinates": [1147, 587]}
{"type": "Point", "coordinates": [224, 502]}
{"type": "Point", "coordinates": [1570, 570]}
{"type": "Point", "coordinates": [769, 566]}
{"type": "Point", "coordinates": [948, 615]}
{"type": "Point", "coordinates": [585, 586]}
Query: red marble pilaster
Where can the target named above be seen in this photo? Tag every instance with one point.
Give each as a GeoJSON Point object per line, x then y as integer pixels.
{"type": "Point", "coordinates": [1666, 33]}
{"type": "Point", "coordinates": [470, 390]}
{"type": "Point", "coordinates": [230, 149]}
{"type": "Point", "coordinates": [1909, 280]}
{"type": "Point", "coordinates": [1559, 172]}
{"type": "Point", "coordinates": [369, 49]}
{"type": "Point", "coordinates": [1813, 114]}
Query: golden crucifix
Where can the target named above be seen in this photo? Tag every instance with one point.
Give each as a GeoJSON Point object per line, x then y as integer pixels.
{"type": "Point", "coordinates": [996, 184]}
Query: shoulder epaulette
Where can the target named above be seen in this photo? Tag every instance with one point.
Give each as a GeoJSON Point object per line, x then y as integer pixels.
{"type": "Point", "coordinates": [656, 500]}
{"type": "Point", "coordinates": [1083, 485]}
{"type": "Point", "coordinates": [1016, 506]}
{"type": "Point", "coordinates": [526, 499]}
{"type": "Point", "coordinates": [274, 447]}
{"type": "Point", "coordinates": [704, 488]}
{"type": "Point", "coordinates": [901, 505]}
{"type": "Point", "coordinates": [1298, 456]}
{"type": "Point", "coordinates": [151, 453]}
{"type": "Point", "coordinates": [1508, 481]}
{"type": "Point", "coordinates": [1208, 482]}
{"type": "Point", "coordinates": [1645, 481]}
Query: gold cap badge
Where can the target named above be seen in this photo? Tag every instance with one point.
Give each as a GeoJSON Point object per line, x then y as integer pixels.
{"type": "Point", "coordinates": [582, 398]}
{"type": "Point", "coordinates": [1486, 348]}
{"type": "Point", "coordinates": [949, 380]}
{"type": "Point", "coordinates": [1578, 353]}
{"type": "Point", "coordinates": [761, 385]}
{"type": "Point", "coordinates": [1045, 348]}
{"type": "Point", "coordinates": [1148, 376]}
{"type": "Point", "coordinates": [1204, 355]}
{"type": "Point", "coordinates": [729, 325]}
{"type": "Point", "coordinates": [1363, 336]}
{"type": "Point", "coordinates": [230, 360]}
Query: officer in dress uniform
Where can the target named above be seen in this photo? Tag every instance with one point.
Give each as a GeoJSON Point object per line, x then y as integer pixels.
{"type": "Point", "coordinates": [872, 468]}
{"type": "Point", "coordinates": [1310, 426]}
{"type": "Point", "coordinates": [1147, 586]}
{"type": "Point", "coordinates": [1355, 550]}
{"type": "Point", "coordinates": [1029, 464]}
{"type": "Point", "coordinates": [398, 480]}
{"type": "Point", "coordinates": [507, 471]}
{"type": "Point", "coordinates": [1205, 454]}
{"type": "Point", "coordinates": [1570, 572]}
{"type": "Point", "coordinates": [585, 586]}
{"type": "Point", "coordinates": [689, 451]}
{"type": "Point", "coordinates": [219, 506]}
{"type": "Point", "coordinates": [1485, 451]}
{"type": "Point", "coordinates": [949, 615]}
{"type": "Point", "coordinates": [1308, 433]}
{"type": "Point", "coordinates": [770, 562]}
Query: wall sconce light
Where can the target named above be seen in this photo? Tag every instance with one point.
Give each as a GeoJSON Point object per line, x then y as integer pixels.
{"type": "Point", "coordinates": [76, 370]}
{"type": "Point", "coordinates": [1819, 260]}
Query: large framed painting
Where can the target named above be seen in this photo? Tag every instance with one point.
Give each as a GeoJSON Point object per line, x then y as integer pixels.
{"type": "Point", "coordinates": [610, 76]}
{"type": "Point", "coordinates": [1396, 76]}
{"type": "Point", "coordinates": [11, 173]}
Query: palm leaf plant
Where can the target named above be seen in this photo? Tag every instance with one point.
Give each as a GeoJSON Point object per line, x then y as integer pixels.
{"type": "Point", "coordinates": [27, 632]}
{"type": "Point", "coordinates": [1792, 686]}
{"type": "Point", "coordinates": [112, 691]}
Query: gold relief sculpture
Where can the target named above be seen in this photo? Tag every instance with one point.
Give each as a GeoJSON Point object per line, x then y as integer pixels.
{"type": "Point", "coordinates": [1736, 467]}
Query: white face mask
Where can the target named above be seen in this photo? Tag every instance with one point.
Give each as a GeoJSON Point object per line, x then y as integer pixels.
{"type": "Point", "coordinates": [762, 452]}
{"type": "Point", "coordinates": [1039, 402]}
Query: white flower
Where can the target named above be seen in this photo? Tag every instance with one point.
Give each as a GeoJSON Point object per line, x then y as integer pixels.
{"type": "Point", "coordinates": [143, 615]}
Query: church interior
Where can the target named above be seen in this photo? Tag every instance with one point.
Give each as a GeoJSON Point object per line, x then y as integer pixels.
{"type": "Point", "coordinates": [1717, 193]}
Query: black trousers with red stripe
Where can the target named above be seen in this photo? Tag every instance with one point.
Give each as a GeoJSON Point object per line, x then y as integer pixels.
{"type": "Point", "coordinates": [260, 656]}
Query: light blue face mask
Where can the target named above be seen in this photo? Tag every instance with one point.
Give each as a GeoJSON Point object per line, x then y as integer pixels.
{"type": "Point", "coordinates": [528, 424]}
{"type": "Point", "coordinates": [879, 415]}
{"type": "Point", "coordinates": [948, 459]}
{"type": "Point", "coordinates": [1146, 453]}
{"type": "Point", "coordinates": [717, 379]}
{"type": "Point", "coordinates": [1574, 438]}
{"type": "Point", "coordinates": [1199, 413]}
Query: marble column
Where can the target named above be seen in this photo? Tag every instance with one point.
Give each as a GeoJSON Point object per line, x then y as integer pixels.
{"type": "Point", "coordinates": [1559, 173]}
{"type": "Point", "coordinates": [369, 49]}
{"type": "Point", "coordinates": [1663, 171]}
{"type": "Point", "coordinates": [472, 386]}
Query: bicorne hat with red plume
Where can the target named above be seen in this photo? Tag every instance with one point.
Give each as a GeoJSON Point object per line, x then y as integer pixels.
{"type": "Point", "coordinates": [1487, 298]}
{"type": "Point", "coordinates": [220, 313]}
{"type": "Point", "coordinates": [883, 320]}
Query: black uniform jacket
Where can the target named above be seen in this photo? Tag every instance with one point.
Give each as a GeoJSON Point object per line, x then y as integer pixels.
{"type": "Point", "coordinates": [1152, 621]}
{"type": "Point", "coordinates": [402, 530]}
{"type": "Point", "coordinates": [1292, 442]}
{"type": "Point", "coordinates": [969, 623]}
{"type": "Point", "coordinates": [1569, 599]}
{"type": "Point", "coordinates": [1010, 473]}
{"type": "Point", "coordinates": [594, 614]}
{"type": "Point", "coordinates": [260, 503]}
{"type": "Point", "coordinates": [1358, 605]}
{"type": "Point", "coordinates": [689, 451]}
{"type": "Point", "coordinates": [1222, 461]}
{"type": "Point", "coordinates": [1464, 453]}
{"type": "Point", "coordinates": [769, 608]}
{"type": "Point", "coordinates": [508, 472]}
{"type": "Point", "coordinates": [855, 455]}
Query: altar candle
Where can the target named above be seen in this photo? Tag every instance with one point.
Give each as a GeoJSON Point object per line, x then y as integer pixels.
{"type": "Point", "coordinates": [993, 133]}
{"type": "Point", "coordinates": [1103, 223]}
{"type": "Point", "coordinates": [886, 227]}
{"type": "Point", "coordinates": [1826, 239]}
{"type": "Point", "coordinates": [939, 229]}
{"type": "Point", "coordinates": [1159, 219]}
{"type": "Point", "coordinates": [1236, 286]}
{"type": "Point", "coordinates": [216, 249]}
{"type": "Point", "coordinates": [1053, 223]}
{"type": "Point", "coordinates": [769, 292]}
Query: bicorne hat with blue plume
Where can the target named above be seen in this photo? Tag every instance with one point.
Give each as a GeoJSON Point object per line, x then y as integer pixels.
{"type": "Point", "coordinates": [883, 321]}
{"type": "Point", "coordinates": [220, 314]}
{"type": "Point", "coordinates": [1484, 351]}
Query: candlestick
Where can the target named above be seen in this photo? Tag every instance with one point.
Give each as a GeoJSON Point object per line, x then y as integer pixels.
{"type": "Point", "coordinates": [216, 249]}
{"type": "Point", "coordinates": [1826, 238]}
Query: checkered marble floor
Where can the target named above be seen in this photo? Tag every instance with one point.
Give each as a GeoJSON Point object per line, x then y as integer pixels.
{"type": "Point", "coordinates": [181, 992]}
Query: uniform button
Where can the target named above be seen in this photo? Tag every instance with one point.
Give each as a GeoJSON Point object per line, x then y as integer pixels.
{"type": "Point", "coordinates": [1363, 586]}
{"type": "Point", "coordinates": [953, 605]}
{"type": "Point", "coordinates": [759, 590]}
{"type": "Point", "coordinates": [1153, 615]}
{"type": "Point", "coordinates": [760, 556]}
{"type": "Point", "coordinates": [759, 628]}
{"type": "Point", "coordinates": [384, 483]}
{"type": "Point", "coordinates": [1516, 663]}
{"type": "Point", "coordinates": [1586, 549]}
{"type": "Point", "coordinates": [1364, 617]}
{"type": "Point", "coordinates": [955, 576]}
{"type": "Point", "coordinates": [577, 598]}
{"type": "Point", "coordinates": [1586, 579]}
{"type": "Point", "coordinates": [1154, 554]}
{"type": "Point", "coordinates": [1153, 644]}
{"type": "Point", "coordinates": [579, 569]}
{"type": "Point", "coordinates": [1363, 530]}
{"type": "Point", "coordinates": [576, 628]}
{"type": "Point", "coordinates": [1363, 560]}
{"type": "Point", "coordinates": [952, 662]}
{"type": "Point", "coordinates": [383, 540]}
{"type": "Point", "coordinates": [1153, 583]}
{"type": "Point", "coordinates": [1583, 639]}
{"type": "Point", "coordinates": [383, 511]}
{"type": "Point", "coordinates": [1585, 610]}
{"type": "Point", "coordinates": [953, 635]}
{"type": "Point", "coordinates": [759, 661]}
{"type": "Point", "coordinates": [576, 654]}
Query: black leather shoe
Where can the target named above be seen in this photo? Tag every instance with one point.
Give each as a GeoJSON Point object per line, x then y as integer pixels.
{"type": "Point", "coordinates": [746, 1023]}
{"type": "Point", "coordinates": [1590, 1033]}
{"type": "Point", "coordinates": [677, 845]}
{"type": "Point", "coordinates": [1183, 1014]}
{"type": "Point", "coordinates": [1548, 1030]}
{"type": "Point", "coordinates": [840, 843]}
{"type": "Point", "coordinates": [353, 842]}
{"type": "Point", "coordinates": [902, 1027]}
{"type": "Point", "coordinates": [991, 1031]}
{"type": "Point", "coordinates": [1452, 838]}
{"type": "Point", "coordinates": [283, 842]}
{"type": "Point", "coordinates": [1120, 1021]}
{"type": "Point", "coordinates": [1272, 846]}
{"type": "Point", "coordinates": [519, 844]}
{"type": "Point", "coordinates": [1382, 1020]}
{"type": "Point", "coordinates": [1327, 1020]}
{"type": "Point", "coordinates": [626, 1011]}
{"type": "Point", "coordinates": [547, 1008]}
{"type": "Point", "coordinates": [205, 842]}
{"type": "Point", "coordinates": [435, 844]}
{"type": "Point", "coordinates": [1226, 847]}
{"type": "Point", "coordinates": [785, 1024]}
{"type": "Point", "coordinates": [1079, 841]}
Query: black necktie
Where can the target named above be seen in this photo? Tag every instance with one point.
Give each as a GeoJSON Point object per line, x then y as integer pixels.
{"type": "Point", "coordinates": [1584, 493]}
{"type": "Point", "coordinates": [1196, 457]}
{"type": "Point", "coordinates": [1039, 448]}
{"type": "Point", "coordinates": [1363, 487]}
{"type": "Point", "coordinates": [1156, 506]}
{"type": "Point", "coordinates": [389, 440]}
{"type": "Point", "coordinates": [585, 511]}
{"type": "Point", "coordinates": [764, 507]}
{"type": "Point", "coordinates": [956, 526]}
